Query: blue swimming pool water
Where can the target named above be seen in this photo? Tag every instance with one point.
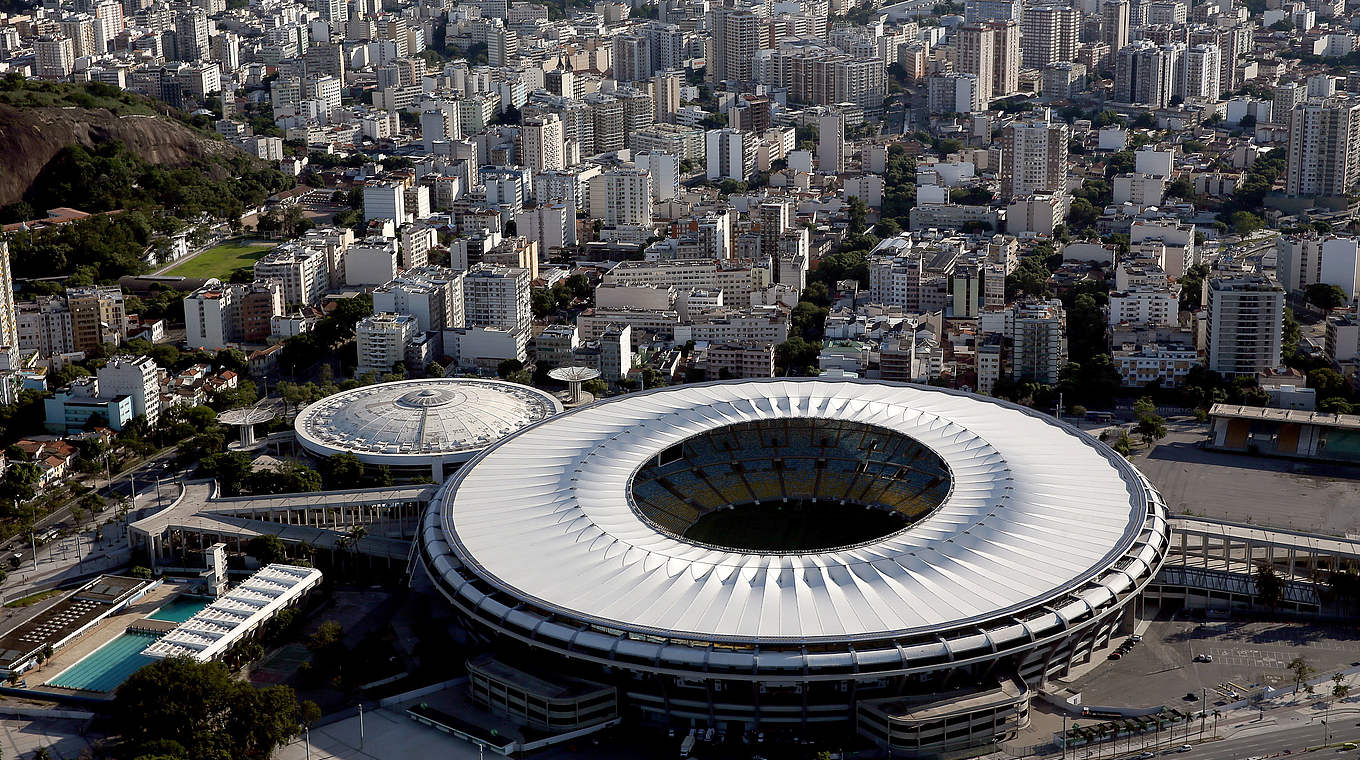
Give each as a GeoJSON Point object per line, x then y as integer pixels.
{"type": "Point", "coordinates": [108, 666]}
{"type": "Point", "coordinates": [179, 609]}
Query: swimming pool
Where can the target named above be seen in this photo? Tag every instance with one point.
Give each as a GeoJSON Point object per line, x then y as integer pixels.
{"type": "Point", "coordinates": [108, 666]}
{"type": "Point", "coordinates": [179, 609]}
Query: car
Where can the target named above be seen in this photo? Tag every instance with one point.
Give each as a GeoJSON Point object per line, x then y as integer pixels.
{"type": "Point", "coordinates": [1184, 748]}
{"type": "Point", "coordinates": [1190, 696]}
{"type": "Point", "coordinates": [1204, 657]}
{"type": "Point", "coordinates": [1145, 756]}
{"type": "Point", "coordinates": [1115, 656]}
{"type": "Point", "coordinates": [1135, 638]}
{"type": "Point", "coordinates": [1350, 745]}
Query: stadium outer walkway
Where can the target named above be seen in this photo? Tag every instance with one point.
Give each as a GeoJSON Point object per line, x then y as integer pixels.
{"type": "Point", "coordinates": [199, 517]}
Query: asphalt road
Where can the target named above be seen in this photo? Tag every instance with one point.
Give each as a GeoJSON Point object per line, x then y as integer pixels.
{"type": "Point", "coordinates": [143, 476]}
{"type": "Point", "coordinates": [1292, 740]}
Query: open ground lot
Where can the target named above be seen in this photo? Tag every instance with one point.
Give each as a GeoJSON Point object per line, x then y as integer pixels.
{"type": "Point", "coordinates": [1246, 655]}
{"type": "Point", "coordinates": [1313, 497]}
{"type": "Point", "coordinates": [219, 261]}
{"type": "Point", "coordinates": [63, 739]}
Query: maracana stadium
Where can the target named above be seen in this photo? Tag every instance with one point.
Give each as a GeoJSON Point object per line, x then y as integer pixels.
{"type": "Point", "coordinates": [904, 561]}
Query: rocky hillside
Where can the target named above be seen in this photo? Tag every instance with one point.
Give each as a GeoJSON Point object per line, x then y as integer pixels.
{"type": "Point", "coordinates": [33, 131]}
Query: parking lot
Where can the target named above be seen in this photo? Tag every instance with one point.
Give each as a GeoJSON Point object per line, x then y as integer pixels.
{"type": "Point", "coordinates": [1300, 495]}
{"type": "Point", "coordinates": [1246, 655]}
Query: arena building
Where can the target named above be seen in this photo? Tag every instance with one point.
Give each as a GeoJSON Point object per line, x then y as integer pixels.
{"type": "Point", "coordinates": [801, 554]}
{"type": "Point", "coordinates": [421, 427]}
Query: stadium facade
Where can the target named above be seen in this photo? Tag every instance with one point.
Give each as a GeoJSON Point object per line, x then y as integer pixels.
{"type": "Point", "coordinates": [801, 553]}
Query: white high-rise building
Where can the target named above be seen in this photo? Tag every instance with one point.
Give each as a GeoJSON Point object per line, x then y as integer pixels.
{"type": "Point", "coordinates": [211, 315]}
{"type": "Point", "coordinates": [990, 50]}
{"type": "Point", "coordinates": [541, 137]}
{"type": "Point", "coordinates": [736, 39]}
{"type": "Point", "coordinates": [79, 28]}
{"type": "Point", "coordinates": [191, 35]}
{"type": "Point", "coordinates": [304, 272]}
{"type": "Point", "coordinates": [1324, 147]}
{"type": "Point", "coordinates": [975, 53]}
{"type": "Point", "coordinates": [334, 11]}
{"type": "Point", "coordinates": [433, 295]}
{"type": "Point", "coordinates": [108, 23]}
{"type": "Point", "coordinates": [1341, 264]}
{"type": "Point", "coordinates": [731, 154]}
{"type": "Point", "coordinates": [1146, 73]}
{"type": "Point", "coordinates": [632, 58]}
{"type": "Point", "coordinates": [385, 200]}
{"type": "Point", "coordinates": [135, 376]}
{"type": "Point", "coordinates": [1200, 68]}
{"type": "Point", "coordinates": [226, 50]}
{"type": "Point", "coordinates": [1114, 24]}
{"type": "Point", "coordinates": [44, 325]}
{"type": "Point", "coordinates": [992, 10]}
{"type": "Point", "coordinates": [1244, 333]}
{"type": "Point", "coordinates": [55, 56]}
{"type": "Point", "coordinates": [1033, 158]}
{"type": "Point", "coordinates": [1049, 33]}
{"type": "Point", "coordinates": [622, 196]}
{"type": "Point", "coordinates": [666, 95]}
{"type": "Point", "coordinates": [9, 320]}
{"type": "Point", "coordinates": [831, 143]}
{"type": "Point", "coordinates": [953, 92]}
{"type": "Point", "coordinates": [1298, 261]}
{"type": "Point", "coordinates": [496, 296]}
{"type": "Point", "coordinates": [1039, 341]}
{"type": "Point", "coordinates": [551, 225]}
{"type": "Point", "coordinates": [380, 340]}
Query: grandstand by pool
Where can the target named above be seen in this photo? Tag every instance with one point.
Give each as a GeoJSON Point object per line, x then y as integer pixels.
{"type": "Point", "coordinates": [179, 609]}
{"type": "Point", "coordinates": [108, 666]}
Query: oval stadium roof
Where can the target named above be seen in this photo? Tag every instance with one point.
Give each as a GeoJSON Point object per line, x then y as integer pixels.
{"type": "Point", "coordinates": [1037, 514]}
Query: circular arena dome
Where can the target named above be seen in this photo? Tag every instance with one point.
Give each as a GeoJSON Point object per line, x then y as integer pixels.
{"type": "Point", "coordinates": [770, 550]}
{"type": "Point", "coordinates": [421, 425]}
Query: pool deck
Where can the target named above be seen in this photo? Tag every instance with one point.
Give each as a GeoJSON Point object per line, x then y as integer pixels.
{"type": "Point", "coordinates": [107, 630]}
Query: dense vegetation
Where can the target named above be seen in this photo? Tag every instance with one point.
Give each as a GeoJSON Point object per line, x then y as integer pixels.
{"type": "Point", "coordinates": [151, 200]}
{"type": "Point", "coordinates": [21, 93]}
{"type": "Point", "coordinates": [110, 176]}
{"type": "Point", "coordinates": [179, 708]}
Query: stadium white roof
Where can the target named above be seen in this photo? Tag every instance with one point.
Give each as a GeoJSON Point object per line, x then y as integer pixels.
{"type": "Point", "coordinates": [1036, 511]}
{"type": "Point", "coordinates": [412, 422]}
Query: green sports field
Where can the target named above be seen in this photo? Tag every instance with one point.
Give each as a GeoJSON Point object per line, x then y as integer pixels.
{"type": "Point", "coordinates": [220, 261]}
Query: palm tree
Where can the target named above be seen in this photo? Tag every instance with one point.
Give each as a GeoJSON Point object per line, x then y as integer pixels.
{"type": "Point", "coordinates": [1216, 713]}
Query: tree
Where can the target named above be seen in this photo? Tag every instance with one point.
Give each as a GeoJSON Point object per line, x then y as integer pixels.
{"type": "Point", "coordinates": [202, 709]}
{"type": "Point", "coordinates": [1326, 297]}
{"type": "Point", "coordinates": [267, 549]}
{"type": "Point", "coordinates": [1244, 222]}
{"type": "Point", "coordinates": [1269, 587]}
{"type": "Point", "coordinates": [341, 471]}
{"type": "Point", "coordinates": [1339, 686]}
{"type": "Point", "coordinates": [1302, 670]}
{"type": "Point", "coordinates": [857, 214]}
{"type": "Point", "coordinates": [1151, 427]}
{"type": "Point", "coordinates": [230, 468]}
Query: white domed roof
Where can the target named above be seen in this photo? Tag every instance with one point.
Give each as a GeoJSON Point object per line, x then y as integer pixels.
{"type": "Point", "coordinates": [409, 421]}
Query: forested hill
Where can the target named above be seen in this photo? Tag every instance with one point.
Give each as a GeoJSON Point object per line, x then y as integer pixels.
{"type": "Point", "coordinates": [96, 148]}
